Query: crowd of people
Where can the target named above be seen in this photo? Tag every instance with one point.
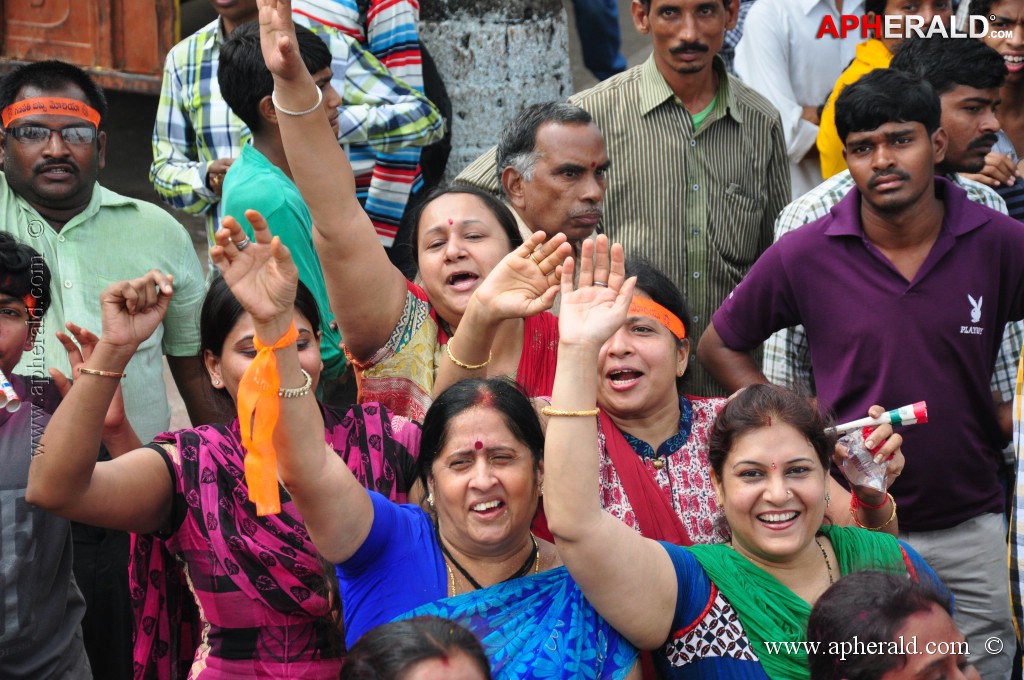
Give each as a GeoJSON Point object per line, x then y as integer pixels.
{"type": "Point", "coordinates": [568, 417]}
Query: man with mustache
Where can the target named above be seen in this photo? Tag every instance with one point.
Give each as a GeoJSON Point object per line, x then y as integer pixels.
{"type": "Point", "coordinates": [700, 166]}
{"type": "Point", "coordinates": [53, 146]}
{"type": "Point", "coordinates": [904, 289]}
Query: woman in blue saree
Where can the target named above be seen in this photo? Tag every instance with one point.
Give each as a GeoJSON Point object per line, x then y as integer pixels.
{"type": "Point", "coordinates": [480, 461]}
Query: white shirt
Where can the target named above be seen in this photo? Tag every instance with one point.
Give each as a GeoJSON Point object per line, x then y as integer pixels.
{"type": "Point", "coordinates": [780, 57]}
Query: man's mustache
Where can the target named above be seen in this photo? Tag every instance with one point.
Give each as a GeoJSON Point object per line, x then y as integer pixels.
{"type": "Point", "coordinates": [988, 139]}
{"type": "Point", "coordinates": [56, 163]}
{"type": "Point", "coordinates": [887, 174]}
{"type": "Point", "coordinates": [689, 47]}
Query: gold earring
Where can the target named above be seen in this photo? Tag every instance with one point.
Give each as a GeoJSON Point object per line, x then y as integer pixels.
{"type": "Point", "coordinates": [216, 382]}
{"type": "Point", "coordinates": [430, 499]}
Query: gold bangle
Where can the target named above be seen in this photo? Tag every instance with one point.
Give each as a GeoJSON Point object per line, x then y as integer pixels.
{"type": "Point", "coordinates": [551, 411]}
{"type": "Point", "coordinates": [103, 374]}
{"type": "Point", "coordinates": [460, 364]}
{"type": "Point", "coordinates": [292, 392]}
{"type": "Point", "coordinates": [856, 521]}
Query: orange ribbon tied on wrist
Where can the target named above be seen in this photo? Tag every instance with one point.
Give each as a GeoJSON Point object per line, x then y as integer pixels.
{"type": "Point", "coordinates": [259, 407]}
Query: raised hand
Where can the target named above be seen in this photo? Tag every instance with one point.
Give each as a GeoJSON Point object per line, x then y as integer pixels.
{"type": "Point", "coordinates": [598, 306]}
{"type": "Point", "coordinates": [78, 354]}
{"type": "Point", "coordinates": [277, 38]}
{"type": "Point", "coordinates": [132, 310]}
{"type": "Point", "coordinates": [525, 282]}
{"type": "Point", "coordinates": [259, 272]}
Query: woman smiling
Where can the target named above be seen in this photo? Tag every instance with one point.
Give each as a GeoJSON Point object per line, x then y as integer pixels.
{"type": "Point", "coordinates": [707, 610]}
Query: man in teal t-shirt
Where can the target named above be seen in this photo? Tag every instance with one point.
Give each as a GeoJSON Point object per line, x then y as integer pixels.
{"type": "Point", "coordinates": [260, 180]}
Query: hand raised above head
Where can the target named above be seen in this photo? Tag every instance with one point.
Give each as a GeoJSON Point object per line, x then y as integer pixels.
{"type": "Point", "coordinates": [277, 38]}
{"type": "Point", "coordinates": [132, 310]}
{"type": "Point", "coordinates": [260, 272]}
{"type": "Point", "coordinates": [525, 282]}
{"type": "Point", "coordinates": [597, 307]}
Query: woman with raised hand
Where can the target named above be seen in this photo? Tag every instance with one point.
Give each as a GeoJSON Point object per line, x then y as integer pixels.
{"type": "Point", "coordinates": [704, 610]}
{"type": "Point", "coordinates": [396, 332]}
{"type": "Point", "coordinates": [211, 493]}
{"type": "Point", "coordinates": [653, 437]}
{"type": "Point", "coordinates": [468, 555]}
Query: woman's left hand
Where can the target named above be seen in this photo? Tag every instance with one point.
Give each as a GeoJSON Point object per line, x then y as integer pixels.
{"type": "Point", "coordinates": [890, 453]}
{"type": "Point", "coordinates": [597, 307]}
{"type": "Point", "coordinates": [260, 274]}
{"type": "Point", "coordinates": [525, 282]}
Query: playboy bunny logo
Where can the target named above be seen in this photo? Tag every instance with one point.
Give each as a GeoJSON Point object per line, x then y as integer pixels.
{"type": "Point", "coordinates": [975, 308]}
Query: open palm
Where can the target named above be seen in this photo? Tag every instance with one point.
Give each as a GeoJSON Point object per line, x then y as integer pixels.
{"type": "Point", "coordinates": [593, 311]}
{"type": "Point", "coordinates": [262, 276]}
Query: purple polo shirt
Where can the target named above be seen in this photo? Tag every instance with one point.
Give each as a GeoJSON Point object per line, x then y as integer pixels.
{"type": "Point", "coordinates": [877, 339]}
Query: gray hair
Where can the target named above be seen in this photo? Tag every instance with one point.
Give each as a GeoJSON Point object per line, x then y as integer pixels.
{"type": "Point", "coordinates": [517, 147]}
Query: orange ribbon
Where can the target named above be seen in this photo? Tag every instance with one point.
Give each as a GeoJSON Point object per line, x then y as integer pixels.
{"type": "Point", "coordinates": [647, 307]}
{"type": "Point", "coordinates": [258, 392]}
{"type": "Point", "coordinates": [54, 106]}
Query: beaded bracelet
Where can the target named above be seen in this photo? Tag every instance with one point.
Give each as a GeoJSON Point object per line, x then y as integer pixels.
{"type": "Point", "coordinates": [102, 374]}
{"type": "Point", "coordinates": [311, 109]}
{"type": "Point", "coordinates": [461, 364]}
{"type": "Point", "coordinates": [551, 411]}
{"type": "Point", "coordinates": [292, 392]}
{"type": "Point", "coordinates": [887, 522]}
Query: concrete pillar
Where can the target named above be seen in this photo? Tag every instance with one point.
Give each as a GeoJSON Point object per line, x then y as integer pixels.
{"type": "Point", "coordinates": [496, 57]}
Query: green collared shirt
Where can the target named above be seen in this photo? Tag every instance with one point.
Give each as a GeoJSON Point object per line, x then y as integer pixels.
{"type": "Point", "coordinates": [113, 239]}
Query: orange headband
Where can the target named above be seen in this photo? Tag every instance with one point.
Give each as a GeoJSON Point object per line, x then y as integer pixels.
{"type": "Point", "coordinates": [647, 307]}
{"type": "Point", "coordinates": [258, 409]}
{"type": "Point", "coordinates": [53, 106]}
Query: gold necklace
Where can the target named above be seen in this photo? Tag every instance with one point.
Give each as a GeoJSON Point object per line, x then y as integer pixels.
{"type": "Point", "coordinates": [451, 574]}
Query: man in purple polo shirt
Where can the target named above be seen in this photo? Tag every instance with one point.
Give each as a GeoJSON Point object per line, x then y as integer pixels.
{"type": "Point", "coordinates": [904, 289]}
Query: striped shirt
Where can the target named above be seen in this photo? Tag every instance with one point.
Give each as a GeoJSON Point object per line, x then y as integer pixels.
{"type": "Point", "coordinates": [384, 180]}
{"type": "Point", "coordinates": [787, 359]}
{"type": "Point", "coordinates": [699, 205]}
{"type": "Point", "coordinates": [194, 125]}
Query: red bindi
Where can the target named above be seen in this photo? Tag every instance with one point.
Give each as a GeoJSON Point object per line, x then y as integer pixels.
{"type": "Point", "coordinates": [478, 445]}
{"type": "Point", "coordinates": [451, 221]}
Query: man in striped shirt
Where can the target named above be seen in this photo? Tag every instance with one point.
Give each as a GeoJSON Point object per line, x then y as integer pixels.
{"type": "Point", "coordinates": [700, 167]}
{"type": "Point", "coordinates": [196, 136]}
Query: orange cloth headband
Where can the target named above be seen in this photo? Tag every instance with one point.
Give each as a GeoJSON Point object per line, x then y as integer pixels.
{"type": "Point", "coordinates": [53, 106]}
{"type": "Point", "coordinates": [647, 307]}
{"type": "Point", "coordinates": [258, 390]}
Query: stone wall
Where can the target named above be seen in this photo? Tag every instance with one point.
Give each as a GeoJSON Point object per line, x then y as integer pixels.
{"type": "Point", "coordinates": [496, 57]}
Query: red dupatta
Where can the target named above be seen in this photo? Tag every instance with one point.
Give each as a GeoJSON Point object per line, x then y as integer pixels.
{"type": "Point", "coordinates": [651, 504]}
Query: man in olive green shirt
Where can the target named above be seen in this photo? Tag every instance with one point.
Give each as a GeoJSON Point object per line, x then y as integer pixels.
{"type": "Point", "coordinates": [699, 167]}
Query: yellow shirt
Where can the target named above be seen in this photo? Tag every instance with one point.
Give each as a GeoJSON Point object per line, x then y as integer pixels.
{"type": "Point", "coordinates": [870, 55]}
